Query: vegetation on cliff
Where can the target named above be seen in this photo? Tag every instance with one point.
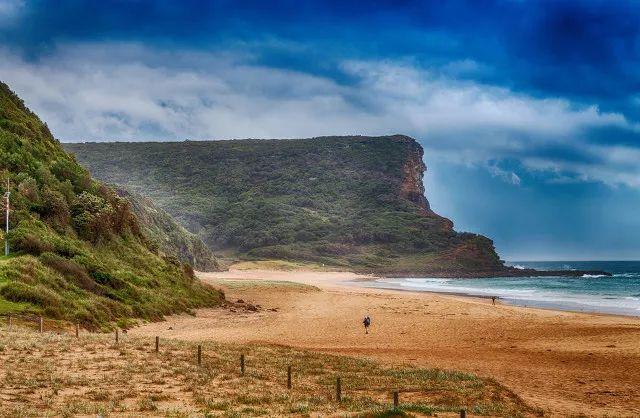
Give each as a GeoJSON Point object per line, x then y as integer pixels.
{"type": "Point", "coordinates": [169, 237]}
{"type": "Point", "coordinates": [77, 249]}
{"type": "Point", "coordinates": [350, 202]}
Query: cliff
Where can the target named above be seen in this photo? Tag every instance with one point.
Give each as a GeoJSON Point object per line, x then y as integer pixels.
{"type": "Point", "coordinates": [77, 252]}
{"type": "Point", "coordinates": [351, 202]}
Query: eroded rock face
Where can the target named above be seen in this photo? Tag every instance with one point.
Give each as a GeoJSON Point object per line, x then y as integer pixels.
{"type": "Point", "coordinates": [412, 187]}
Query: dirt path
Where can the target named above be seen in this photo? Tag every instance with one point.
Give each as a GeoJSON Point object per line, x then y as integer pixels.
{"type": "Point", "coordinates": [565, 363]}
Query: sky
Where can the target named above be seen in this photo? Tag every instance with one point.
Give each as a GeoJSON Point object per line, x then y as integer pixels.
{"type": "Point", "coordinates": [529, 111]}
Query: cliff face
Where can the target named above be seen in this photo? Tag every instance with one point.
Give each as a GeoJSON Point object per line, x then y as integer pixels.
{"type": "Point", "coordinates": [412, 187]}
{"type": "Point", "coordinates": [352, 202]}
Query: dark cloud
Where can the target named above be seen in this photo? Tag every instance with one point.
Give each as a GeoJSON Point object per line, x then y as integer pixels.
{"type": "Point", "coordinates": [587, 50]}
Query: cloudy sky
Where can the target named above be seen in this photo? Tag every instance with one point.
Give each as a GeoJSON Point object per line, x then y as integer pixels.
{"type": "Point", "coordinates": [529, 112]}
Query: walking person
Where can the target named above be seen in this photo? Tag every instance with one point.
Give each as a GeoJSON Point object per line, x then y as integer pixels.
{"type": "Point", "coordinates": [367, 323]}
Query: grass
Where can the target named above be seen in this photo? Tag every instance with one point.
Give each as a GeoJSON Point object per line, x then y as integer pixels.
{"type": "Point", "coordinates": [279, 265]}
{"type": "Point", "coordinates": [7, 307]}
{"type": "Point", "coordinates": [58, 375]}
{"type": "Point", "coordinates": [78, 251]}
{"type": "Point", "coordinates": [262, 284]}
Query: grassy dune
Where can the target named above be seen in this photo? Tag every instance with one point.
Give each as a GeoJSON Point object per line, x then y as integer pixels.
{"type": "Point", "coordinates": [55, 374]}
{"type": "Point", "coordinates": [78, 250]}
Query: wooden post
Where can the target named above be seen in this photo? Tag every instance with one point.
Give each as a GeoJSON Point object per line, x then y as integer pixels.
{"type": "Point", "coordinates": [199, 355]}
{"type": "Point", "coordinates": [10, 320]}
{"type": "Point", "coordinates": [289, 377]}
{"type": "Point", "coordinates": [157, 344]}
{"type": "Point", "coordinates": [41, 325]}
{"type": "Point", "coordinates": [395, 400]}
{"type": "Point", "coordinates": [242, 363]}
{"type": "Point", "coordinates": [117, 335]}
{"type": "Point", "coordinates": [338, 390]}
{"type": "Point", "coordinates": [463, 413]}
{"type": "Point", "coordinates": [77, 330]}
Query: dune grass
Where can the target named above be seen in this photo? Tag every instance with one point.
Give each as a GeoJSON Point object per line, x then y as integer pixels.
{"type": "Point", "coordinates": [280, 265]}
{"type": "Point", "coordinates": [243, 284]}
{"type": "Point", "coordinates": [54, 374]}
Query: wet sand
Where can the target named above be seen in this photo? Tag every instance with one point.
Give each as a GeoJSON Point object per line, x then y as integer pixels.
{"type": "Point", "coordinates": [565, 363]}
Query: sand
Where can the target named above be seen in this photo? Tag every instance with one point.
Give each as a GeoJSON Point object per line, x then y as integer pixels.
{"type": "Point", "coordinates": [565, 363]}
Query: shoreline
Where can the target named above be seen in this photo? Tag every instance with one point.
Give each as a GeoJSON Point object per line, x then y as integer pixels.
{"type": "Point", "coordinates": [522, 303]}
{"type": "Point", "coordinates": [563, 362]}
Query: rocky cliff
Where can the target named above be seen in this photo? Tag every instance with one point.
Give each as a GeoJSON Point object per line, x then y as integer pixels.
{"type": "Point", "coordinates": [412, 187]}
{"type": "Point", "coordinates": [350, 202]}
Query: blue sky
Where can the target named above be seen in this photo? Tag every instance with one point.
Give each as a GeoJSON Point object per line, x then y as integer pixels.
{"type": "Point", "coordinates": [529, 111]}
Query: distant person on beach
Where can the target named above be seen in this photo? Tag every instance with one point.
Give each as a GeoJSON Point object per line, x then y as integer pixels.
{"type": "Point", "coordinates": [493, 300]}
{"type": "Point", "coordinates": [367, 323]}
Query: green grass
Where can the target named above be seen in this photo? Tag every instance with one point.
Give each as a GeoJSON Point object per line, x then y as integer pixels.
{"type": "Point", "coordinates": [7, 307]}
{"type": "Point", "coordinates": [78, 251]}
{"type": "Point", "coordinates": [282, 265]}
{"type": "Point", "coordinates": [257, 284]}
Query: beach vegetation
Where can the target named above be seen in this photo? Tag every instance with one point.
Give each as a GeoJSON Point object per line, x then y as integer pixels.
{"type": "Point", "coordinates": [77, 250]}
{"type": "Point", "coordinates": [103, 377]}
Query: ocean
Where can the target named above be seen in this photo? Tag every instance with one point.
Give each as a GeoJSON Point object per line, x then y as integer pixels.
{"type": "Point", "coordinates": [619, 294]}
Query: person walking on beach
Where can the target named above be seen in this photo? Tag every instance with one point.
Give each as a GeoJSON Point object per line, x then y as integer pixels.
{"type": "Point", "coordinates": [367, 323]}
{"type": "Point", "coordinates": [493, 300]}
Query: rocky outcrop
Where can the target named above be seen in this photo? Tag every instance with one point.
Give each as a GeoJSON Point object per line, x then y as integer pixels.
{"type": "Point", "coordinates": [412, 187]}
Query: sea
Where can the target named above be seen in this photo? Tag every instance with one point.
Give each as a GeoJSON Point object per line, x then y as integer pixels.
{"type": "Point", "coordinates": [617, 294]}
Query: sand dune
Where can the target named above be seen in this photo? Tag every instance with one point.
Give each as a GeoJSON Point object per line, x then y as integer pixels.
{"type": "Point", "coordinates": [566, 363]}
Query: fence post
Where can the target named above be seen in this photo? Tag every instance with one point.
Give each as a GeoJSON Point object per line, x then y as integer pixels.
{"type": "Point", "coordinates": [199, 355]}
{"type": "Point", "coordinates": [77, 330]}
{"type": "Point", "coordinates": [41, 325]}
{"type": "Point", "coordinates": [242, 363]}
{"type": "Point", "coordinates": [338, 389]}
{"type": "Point", "coordinates": [463, 413]}
{"type": "Point", "coordinates": [117, 335]}
{"type": "Point", "coordinates": [289, 377]}
{"type": "Point", "coordinates": [157, 344]}
{"type": "Point", "coordinates": [10, 322]}
{"type": "Point", "coordinates": [395, 399]}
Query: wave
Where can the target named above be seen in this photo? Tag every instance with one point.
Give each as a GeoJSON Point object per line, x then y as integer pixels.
{"type": "Point", "coordinates": [632, 275]}
{"type": "Point", "coordinates": [604, 295]}
{"type": "Point", "coordinates": [593, 275]}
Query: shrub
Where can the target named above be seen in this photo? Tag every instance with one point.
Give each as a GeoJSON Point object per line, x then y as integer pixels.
{"type": "Point", "coordinates": [55, 210]}
{"type": "Point", "coordinates": [30, 243]}
{"type": "Point", "coordinates": [71, 270]}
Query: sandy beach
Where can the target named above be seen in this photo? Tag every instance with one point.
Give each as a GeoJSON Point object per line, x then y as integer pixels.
{"type": "Point", "coordinates": [565, 363]}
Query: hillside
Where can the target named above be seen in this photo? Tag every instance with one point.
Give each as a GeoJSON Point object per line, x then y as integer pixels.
{"type": "Point", "coordinates": [349, 202]}
{"type": "Point", "coordinates": [168, 236]}
{"type": "Point", "coordinates": [78, 252]}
